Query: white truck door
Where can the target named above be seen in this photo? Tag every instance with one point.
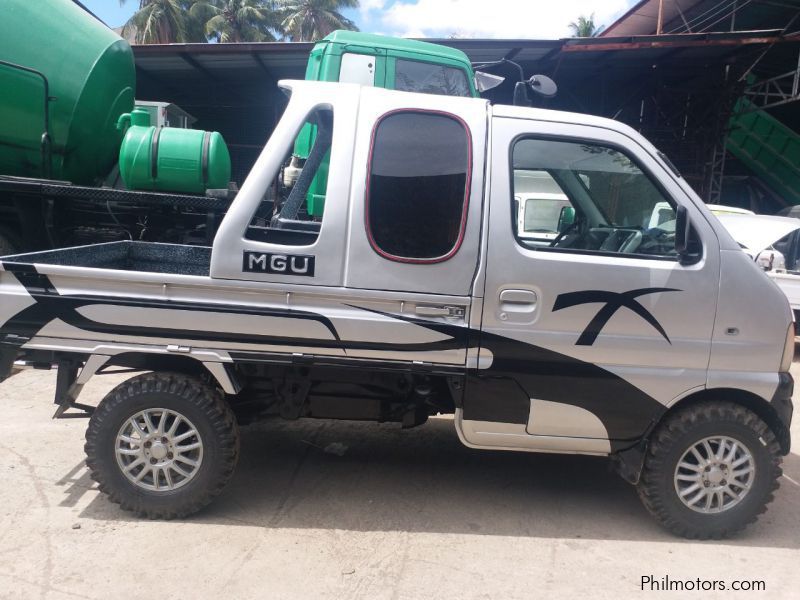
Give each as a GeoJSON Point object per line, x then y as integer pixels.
{"type": "Point", "coordinates": [587, 337]}
{"type": "Point", "coordinates": [415, 220]}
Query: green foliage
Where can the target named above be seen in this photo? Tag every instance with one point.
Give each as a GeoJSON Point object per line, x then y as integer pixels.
{"type": "Point", "coordinates": [195, 27]}
{"type": "Point", "coordinates": [169, 21]}
{"type": "Point", "coordinates": [584, 27]}
{"type": "Point", "coordinates": [237, 20]}
{"type": "Point", "coordinates": [310, 20]}
{"type": "Point", "coordinates": [157, 22]}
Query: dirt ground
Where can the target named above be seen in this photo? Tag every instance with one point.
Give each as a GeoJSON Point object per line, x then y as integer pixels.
{"type": "Point", "coordinates": [345, 510]}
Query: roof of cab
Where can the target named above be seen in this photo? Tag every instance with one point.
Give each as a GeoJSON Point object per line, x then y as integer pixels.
{"type": "Point", "coordinates": [560, 116]}
{"type": "Point", "coordinates": [366, 39]}
{"type": "Point", "coordinates": [546, 114]}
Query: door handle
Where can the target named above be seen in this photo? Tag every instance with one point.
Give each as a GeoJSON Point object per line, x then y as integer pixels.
{"type": "Point", "coordinates": [517, 305]}
{"type": "Point", "coordinates": [440, 311]}
{"type": "Point", "coordinates": [523, 297]}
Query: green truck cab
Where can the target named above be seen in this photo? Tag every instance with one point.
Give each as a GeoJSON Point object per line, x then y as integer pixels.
{"type": "Point", "coordinates": [379, 61]}
{"type": "Point", "coordinates": [392, 63]}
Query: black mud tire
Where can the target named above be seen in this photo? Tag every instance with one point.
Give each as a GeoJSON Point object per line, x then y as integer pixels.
{"type": "Point", "coordinates": [203, 405]}
{"type": "Point", "coordinates": [681, 431]}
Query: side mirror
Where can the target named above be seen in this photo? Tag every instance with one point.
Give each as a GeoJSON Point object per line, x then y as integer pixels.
{"type": "Point", "coordinates": [682, 227]}
{"type": "Point", "coordinates": [566, 218]}
{"type": "Point", "coordinates": [542, 85]}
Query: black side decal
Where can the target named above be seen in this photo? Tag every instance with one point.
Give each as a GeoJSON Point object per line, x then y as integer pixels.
{"type": "Point", "coordinates": [521, 371]}
{"type": "Point", "coordinates": [51, 305]}
{"type": "Point", "coordinates": [625, 411]}
{"type": "Point", "coordinates": [613, 302]}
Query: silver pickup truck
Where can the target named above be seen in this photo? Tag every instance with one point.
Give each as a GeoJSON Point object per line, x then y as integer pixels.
{"type": "Point", "coordinates": [416, 295]}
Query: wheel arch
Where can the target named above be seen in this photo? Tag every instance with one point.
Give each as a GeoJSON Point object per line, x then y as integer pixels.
{"type": "Point", "coordinates": [188, 365]}
{"type": "Point", "coordinates": [764, 409]}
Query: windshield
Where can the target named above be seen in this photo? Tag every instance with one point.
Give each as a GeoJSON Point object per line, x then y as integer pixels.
{"type": "Point", "coordinates": [427, 78]}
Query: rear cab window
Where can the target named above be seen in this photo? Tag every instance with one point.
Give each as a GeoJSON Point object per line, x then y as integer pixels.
{"type": "Point", "coordinates": [417, 191]}
{"type": "Point", "coordinates": [283, 216]}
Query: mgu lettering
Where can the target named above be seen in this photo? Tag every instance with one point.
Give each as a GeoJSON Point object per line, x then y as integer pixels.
{"type": "Point", "coordinates": [279, 264]}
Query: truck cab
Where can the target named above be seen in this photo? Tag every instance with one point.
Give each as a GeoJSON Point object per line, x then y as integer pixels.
{"type": "Point", "coordinates": [416, 294]}
{"type": "Point", "coordinates": [391, 63]}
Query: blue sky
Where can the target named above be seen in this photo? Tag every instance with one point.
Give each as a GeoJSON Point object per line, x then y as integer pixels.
{"type": "Point", "coordinates": [536, 19]}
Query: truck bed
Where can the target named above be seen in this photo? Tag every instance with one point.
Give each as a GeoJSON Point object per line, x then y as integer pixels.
{"type": "Point", "coordinates": [148, 257]}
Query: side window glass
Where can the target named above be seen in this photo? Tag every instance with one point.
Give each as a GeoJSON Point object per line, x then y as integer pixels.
{"type": "Point", "coordinates": [417, 192]}
{"type": "Point", "coordinates": [290, 212]}
{"type": "Point", "coordinates": [357, 68]}
{"type": "Point", "coordinates": [587, 197]}
{"type": "Point", "coordinates": [427, 78]}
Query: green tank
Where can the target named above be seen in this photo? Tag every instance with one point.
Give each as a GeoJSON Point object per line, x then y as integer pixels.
{"type": "Point", "coordinates": [170, 159]}
{"type": "Point", "coordinates": [91, 78]}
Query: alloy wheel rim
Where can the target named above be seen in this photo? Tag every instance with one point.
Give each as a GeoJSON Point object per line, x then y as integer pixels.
{"type": "Point", "coordinates": [714, 474]}
{"type": "Point", "coordinates": [159, 450]}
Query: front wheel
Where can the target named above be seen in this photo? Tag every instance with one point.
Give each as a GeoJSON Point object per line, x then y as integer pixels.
{"type": "Point", "coordinates": [710, 470]}
{"type": "Point", "coordinates": [162, 445]}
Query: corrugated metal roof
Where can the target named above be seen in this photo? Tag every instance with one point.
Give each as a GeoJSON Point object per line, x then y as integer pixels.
{"type": "Point", "coordinates": [692, 16]}
{"type": "Point", "coordinates": [642, 17]}
{"type": "Point", "coordinates": [279, 60]}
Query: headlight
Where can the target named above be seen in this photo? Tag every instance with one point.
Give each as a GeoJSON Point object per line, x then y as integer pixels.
{"type": "Point", "coordinates": [788, 350]}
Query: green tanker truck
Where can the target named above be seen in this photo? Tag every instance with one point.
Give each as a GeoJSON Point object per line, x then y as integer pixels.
{"type": "Point", "coordinates": [72, 145]}
{"type": "Point", "coordinates": [80, 164]}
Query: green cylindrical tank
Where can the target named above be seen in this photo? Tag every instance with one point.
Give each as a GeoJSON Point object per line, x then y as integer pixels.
{"type": "Point", "coordinates": [170, 159]}
{"type": "Point", "coordinates": [91, 77]}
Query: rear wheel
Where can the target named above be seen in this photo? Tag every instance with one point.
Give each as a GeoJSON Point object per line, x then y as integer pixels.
{"type": "Point", "coordinates": [710, 470]}
{"type": "Point", "coordinates": [162, 445]}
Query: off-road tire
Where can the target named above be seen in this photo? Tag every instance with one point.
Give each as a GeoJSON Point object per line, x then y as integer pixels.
{"type": "Point", "coordinates": [202, 405]}
{"type": "Point", "coordinates": [681, 431]}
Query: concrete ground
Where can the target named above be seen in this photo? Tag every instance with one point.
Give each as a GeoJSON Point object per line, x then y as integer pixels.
{"type": "Point", "coordinates": [399, 514]}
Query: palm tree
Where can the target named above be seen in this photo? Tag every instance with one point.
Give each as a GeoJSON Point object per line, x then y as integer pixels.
{"type": "Point", "coordinates": [157, 22]}
{"type": "Point", "coordinates": [237, 20]}
{"type": "Point", "coordinates": [584, 27]}
{"type": "Point", "coordinates": [195, 27]}
{"type": "Point", "coordinates": [310, 20]}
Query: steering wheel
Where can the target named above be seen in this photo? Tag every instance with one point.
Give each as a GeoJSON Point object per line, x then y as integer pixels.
{"type": "Point", "coordinates": [562, 234]}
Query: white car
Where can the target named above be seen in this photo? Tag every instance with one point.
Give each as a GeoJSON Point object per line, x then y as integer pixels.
{"type": "Point", "coordinates": [759, 235]}
{"type": "Point", "coordinates": [540, 205]}
{"type": "Point", "coordinates": [721, 209]}
{"type": "Point", "coordinates": [663, 215]}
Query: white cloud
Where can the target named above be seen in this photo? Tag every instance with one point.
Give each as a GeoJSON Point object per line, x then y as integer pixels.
{"type": "Point", "coordinates": [533, 19]}
{"type": "Point", "coordinates": [366, 6]}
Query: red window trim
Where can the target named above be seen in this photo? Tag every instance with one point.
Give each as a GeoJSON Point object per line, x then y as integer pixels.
{"type": "Point", "coordinates": [467, 189]}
